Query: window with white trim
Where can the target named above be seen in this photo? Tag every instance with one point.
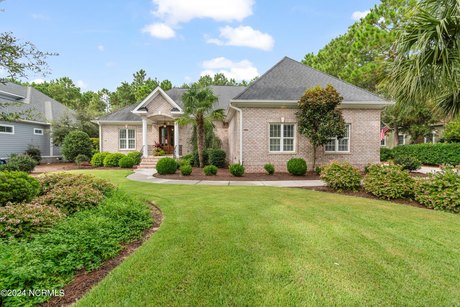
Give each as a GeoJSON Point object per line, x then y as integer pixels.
{"type": "Point", "coordinates": [6, 129]}
{"type": "Point", "coordinates": [127, 138]}
{"type": "Point", "coordinates": [38, 131]}
{"type": "Point", "coordinates": [281, 138]}
{"type": "Point", "coordinates": [383, 142]}
{"type": "Point", "coordinates": [401, 139]}
{"type": "Point", "coordinates": [339, 144]}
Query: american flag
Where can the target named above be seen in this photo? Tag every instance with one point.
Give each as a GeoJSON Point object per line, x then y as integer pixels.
{"type": "Point", "coordinates": [383, 131]}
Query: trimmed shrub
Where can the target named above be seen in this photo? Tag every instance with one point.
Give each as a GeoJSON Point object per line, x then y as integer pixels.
{"type": "Point", "coordinates": [318, 170]}
{"type": "Point", "coordinates": [17, 187]}
{"type": "Point", "coordinates": [23, 163]}
{"type": "Point", "coordinates": [236, 169]}
{"type": "Point", "coordinates": [341, 176]}
{"type": "Point", "coordinates": [98, 159]}
{"type": "Point", "coordinates": [76, 142]}
{"type": "Point", "coordinates": [80, 159]}
{"type": "Point", "coordinates": [182, 162]}
{"type": "Point", "coordinates": [269, 168]}
{"type": "Point", "coordinates": [451, 132]}
{"type": "Point", "coordinates": [297, 166]}
{"type": "Point", "coordinates": [112, 159]}
{"type": "Point", "coordinates": [431, 154]}
{"type": "Point", "coordinates": [82, 241]}
{"type": "Point", "coordinates": [71, 199]}
{"type": "Point", "coordinates": [186, 170]}
{"type": "Point", "coordinates": [95, 143]}
{"type": "Point", "coordinates": [24, 220]}
{"type": "Point", "coordinates": [196, 160]}
{"type": "Point", "coordinates": [408, 163]}
{"type": "Point", "coordinates": [441, 191]}
{"type": "Point", "coordinates": [126, 162]}
{"type": "Point", "coordinates": [166, 166]}
{"type": "Point", "coordinates": [55, 180]}
{"type": "Point", "coordinates": [210, 170]}
{"type": "Point", "coordinates": [9, 168]}
{"type": "Point", "coordinates": [158, 152]}
{"type": "Point", "coordinates": [389, 182]}
{"type": "Point", "coordinates": [136, 156]}
{"type": "Point", "coordinates": [217, 157]}
{"type": "Point", "coordinates": [385, 154]}
{"type": "Point", "coordinates": [34, 153]}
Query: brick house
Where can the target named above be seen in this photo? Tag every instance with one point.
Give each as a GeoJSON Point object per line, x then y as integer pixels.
{"type": "Point", "coordinates": [260, 125]}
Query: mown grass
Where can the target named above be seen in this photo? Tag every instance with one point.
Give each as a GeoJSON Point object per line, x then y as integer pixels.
{"type": "Point", "coordinates": [272, 246]}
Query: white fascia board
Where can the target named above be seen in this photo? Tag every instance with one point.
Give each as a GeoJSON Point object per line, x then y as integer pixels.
{"type": "Point", "coordinates": [152, 95]}
{"type": "Point", "coordinates": [33, 122]}
{"type": "Point", "coordinates": [119, 122]}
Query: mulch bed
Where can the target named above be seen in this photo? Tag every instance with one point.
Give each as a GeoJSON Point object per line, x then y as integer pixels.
{"type": "Point", "coordinates": [84, 281]}
{"type": "Point", "coordinates": [224, 175]}
{"type": "Point", "coordinates": [364, 194]}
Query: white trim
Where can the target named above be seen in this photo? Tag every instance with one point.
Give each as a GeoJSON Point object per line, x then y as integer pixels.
{"type": "Point", "coordinates": [110, 123]}
{"type": "Point", "coordinates": [100, 138]}
{"type": "Point", "coordinates": [336, 150]}
{"type": "Point", "coordinates": [127, 139]}
{"type": "Point", "coordinates": [153, 94]}
{"type": "Point", "coordinates": [404, 138]}
{"type": "Point", "coordinates": [294, 103]}
{"type": "Point", "coordinates": [145, 150]}
{"type": "Point", "coordinates": [281, 138]}
{"type": "Point", "coordinates": [11, 95]}
{"type": "Point", "coordinates": [176, 139]}
{"type": "Point", "coordinates": [9, 126]}
{"type": "Point", "coordinates": [33, 122]}
{"type": "Point", "coordinates": [36, 133]}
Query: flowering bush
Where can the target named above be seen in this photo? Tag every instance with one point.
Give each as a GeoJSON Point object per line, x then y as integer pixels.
{"type": "Point", "coordinates": [23, 220]}
{"type": "Point", "coordinates": [388, 182]}
{"type": "Point", "coordinates": [341, 176]}
{"type": "Point", "coordinates": [54, 180]}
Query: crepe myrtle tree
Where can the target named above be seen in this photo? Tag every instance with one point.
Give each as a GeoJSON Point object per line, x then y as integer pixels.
{"type": "Point", "coordinates": [198, 102]}
{"type": "Point", "coordinates": [318, 117]}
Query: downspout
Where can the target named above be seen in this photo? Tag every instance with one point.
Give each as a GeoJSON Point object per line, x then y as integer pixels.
{"type": "Point", "coordinates": [100, 136]}
{"type": "Point", "coordinates": [241, 130]}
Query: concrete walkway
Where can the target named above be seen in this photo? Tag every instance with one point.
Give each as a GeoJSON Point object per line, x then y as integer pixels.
{"type": "Point", "coordinates": [146, 175]}
{"type": "Point", "coordinates": [429, 169]}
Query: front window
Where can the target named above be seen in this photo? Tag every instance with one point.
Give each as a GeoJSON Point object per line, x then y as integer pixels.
{"type": "Point", "coordinates": [401, 139]}
{"type": "Point", "coordinates": [339, 144]}
{"type": "Point", "coordinates": [127, 138]}
{"type": "Point", "coordinates": [282, 137]}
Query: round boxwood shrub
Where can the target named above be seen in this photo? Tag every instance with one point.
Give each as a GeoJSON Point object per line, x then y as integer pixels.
{"type": "Point", "coordinates": [23, 163]}
{"type": "Point", "coordinates": [24, 220]}
{"type": "Point", "coordinates": [76, 142]}
{"type": "Point", "coordinates": [186, 170]}
{"type": "Point", "coordinates": [217, 157]}
{"type": "Point", "coordinates": [112, 159]}
{"type": "Point", "coordinates": [341, 176]}
{"type": "Point", "coordinates": [441, 191]}
{"type": "Point", "coordinates": [269, 168]}
{"type": "Point", "coordinates": [17, 187]}
{"type": "Point", "coordinates": [388, 182]}
{"type": "Point", "coordinates": [71, 199]}
{"type": "Point", "coordinates": [236, 170]}
{"type": "Point", "coordinates": [98, 159]}
{"type": "Point", "coordinates": [297, 166]}
{"type": "Point", "coordinates": [126, 162]}
{"type": "Point", "coordinates": [407, 162]}
{"type": "Point", "coordinates": [210, 170]}
{"type": "Point", "coordinates": [166, 166]}
{"type": "Point", "coordinates": [136, 156]}
{"type": "Point", "coordinates": [80, 159]}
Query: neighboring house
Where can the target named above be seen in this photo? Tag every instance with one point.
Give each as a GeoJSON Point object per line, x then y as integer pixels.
{"type": "Point", "coordinates": [34, 127]}
{"type": "Point", "coordinates": [387, 138]}
{"type": "Point", "coordinates": [260, 125]}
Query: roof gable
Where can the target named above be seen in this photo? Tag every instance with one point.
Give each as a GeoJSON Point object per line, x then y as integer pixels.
{"type": "Point", "coordinates": [288, 80]}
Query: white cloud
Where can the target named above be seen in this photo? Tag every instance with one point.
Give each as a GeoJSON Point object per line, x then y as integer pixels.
{"type": "Point", "coordinates": [171, 13]}
{"type": "Point", "coordinates": [243, 36]}
{"type": "Point", "coordinates": [242, 70]}
{"type": "Point", "coordinates": [357, 15]}
{"type": "Point", "coordinates": [101, 48]}
{"type": "Point", "coordinates": [38, 81]}
{"type": "Point", "coordinates": [160, 30]}
{"type": "Point", "coordinates": [81, 84]}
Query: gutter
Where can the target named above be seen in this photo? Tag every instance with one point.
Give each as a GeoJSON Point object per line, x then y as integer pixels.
{"type": "Point", "coordinates": [241, 130]}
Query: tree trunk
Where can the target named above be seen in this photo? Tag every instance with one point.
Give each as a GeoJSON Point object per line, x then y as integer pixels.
{"type": "Point", "coordinates": [314, 157]}
{"type": "Point", "coordinates": [200, 138]}
{"type": "Point", "coordinates": [395, 136]}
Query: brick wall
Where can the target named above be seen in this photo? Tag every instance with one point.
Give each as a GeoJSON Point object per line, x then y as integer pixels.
{"type": "Point", "coordinates": [364, 141]}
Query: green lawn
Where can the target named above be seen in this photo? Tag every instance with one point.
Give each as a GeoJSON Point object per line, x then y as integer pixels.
{"type": "Point", "coordinates": [272, 246]}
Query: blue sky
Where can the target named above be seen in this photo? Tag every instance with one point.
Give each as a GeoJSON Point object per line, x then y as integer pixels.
{"type": "Point", "coordinates": [102, 43]}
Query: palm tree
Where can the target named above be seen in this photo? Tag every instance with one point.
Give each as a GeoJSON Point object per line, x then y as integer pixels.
{"type": "Point", "coordinates": [427, 66]}
{"type": "Point", "coordinates": [198, 110]}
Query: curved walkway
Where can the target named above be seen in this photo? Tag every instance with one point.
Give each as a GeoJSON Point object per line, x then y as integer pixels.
{"type": "Point", "coordinates": [146, 175]}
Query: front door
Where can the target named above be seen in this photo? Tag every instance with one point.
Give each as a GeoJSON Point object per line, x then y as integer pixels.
{"type": "Point", "coordinates": [167, 139]}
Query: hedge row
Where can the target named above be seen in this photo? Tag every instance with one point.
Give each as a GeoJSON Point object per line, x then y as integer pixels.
{"type": "Point", "coordinates": [428, 154]}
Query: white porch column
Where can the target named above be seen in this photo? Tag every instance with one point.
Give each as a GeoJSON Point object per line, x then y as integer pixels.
{"type": "Point", "coordinates": [145, 151]}
{"type": "Point", "coordinates": [176, 139]}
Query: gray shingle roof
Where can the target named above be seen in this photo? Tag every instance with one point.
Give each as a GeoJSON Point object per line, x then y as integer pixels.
{"type": "Point", "coordinates": [289, 79]}
{"type": "Point", "coordinates": [33, 101]}
{"type": "Point", "coordinates": [224, 93]}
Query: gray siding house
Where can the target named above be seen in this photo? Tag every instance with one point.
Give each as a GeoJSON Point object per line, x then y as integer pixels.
{"type": "Point", "coordinates": [33, 129]}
